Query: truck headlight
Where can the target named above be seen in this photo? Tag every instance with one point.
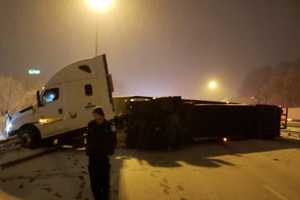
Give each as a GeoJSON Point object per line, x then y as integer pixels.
{"type": "Point", "coordinates": [43, 121]}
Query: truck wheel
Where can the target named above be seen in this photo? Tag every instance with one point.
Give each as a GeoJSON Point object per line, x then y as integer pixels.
{"type": "Point", "coordinates": [30, 136]}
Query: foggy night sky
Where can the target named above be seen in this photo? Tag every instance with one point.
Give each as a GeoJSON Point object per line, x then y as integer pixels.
{"type": "Point", "coordinates": [154, 47]}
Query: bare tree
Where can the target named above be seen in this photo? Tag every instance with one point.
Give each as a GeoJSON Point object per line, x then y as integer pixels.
{"type": "Point", "coordinates": [13, 95]}
{"type": "Point", "coordinates": [274, 85]}
{"type": "Point", "coordinates": [255, 86]}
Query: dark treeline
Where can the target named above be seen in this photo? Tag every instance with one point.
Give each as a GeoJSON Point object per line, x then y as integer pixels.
{"type": "Point", "coordinates": [278, 84]}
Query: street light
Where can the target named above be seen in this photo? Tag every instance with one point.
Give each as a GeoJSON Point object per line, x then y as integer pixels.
{"type": "Point", "coordinates": [34, 72]}
{"type": "Point", "coordinates": [213, 85]}
{"type": "Point", "coordinates": [99, 5]}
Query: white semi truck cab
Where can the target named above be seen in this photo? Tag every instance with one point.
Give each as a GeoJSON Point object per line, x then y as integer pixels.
{"type": "Point", "coordinates": [65, 103]}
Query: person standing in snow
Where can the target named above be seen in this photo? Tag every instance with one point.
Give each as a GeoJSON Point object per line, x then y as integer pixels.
{"type": "Point", "coordinates": [101, 143]}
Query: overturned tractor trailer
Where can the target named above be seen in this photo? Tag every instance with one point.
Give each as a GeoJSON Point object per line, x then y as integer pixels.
{"type": "Point", "coordinates": [156, 123]}
{"type": "Point", "coordinates": [63, 109]}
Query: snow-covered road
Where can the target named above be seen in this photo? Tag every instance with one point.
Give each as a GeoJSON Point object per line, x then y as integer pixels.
{"type": "Point", "coordinates": [2, 137]}
{"type": "Point", "coordinates": [57, 175]}
{"type": "Point", "coordinates": [241, 170]}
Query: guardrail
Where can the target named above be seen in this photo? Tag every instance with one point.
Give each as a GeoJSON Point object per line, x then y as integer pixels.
{"type": "Point", "coordinates": [10, 144]}
{"type": "Point", "coordinates": [292, 133]}
{"type": "Point", "coordinates": [29, 155]}
{"type": "Point", "coordinates": [294, 124]}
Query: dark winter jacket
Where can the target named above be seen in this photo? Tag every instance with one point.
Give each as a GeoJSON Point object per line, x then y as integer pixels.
{"type": "Point", "coordinates": [101, 139]}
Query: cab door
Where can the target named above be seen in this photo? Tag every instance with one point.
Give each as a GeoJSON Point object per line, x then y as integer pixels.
{"type": "Point", "coordinates": [51, 113]}
{"type": "Point", "coordinates": [80, 102]}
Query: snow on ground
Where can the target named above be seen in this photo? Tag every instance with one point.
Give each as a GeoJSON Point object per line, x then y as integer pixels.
{"type": "Point", "coordinates": [4, 196]}
{"type": "Point", "coordinates": [58, 175]}
{"type": "Point", "coordinates": [2, 137]}
{"type": "Point", "coordinates": [241, 170]}
{"type": "Point", "coordinates": [245, 170]}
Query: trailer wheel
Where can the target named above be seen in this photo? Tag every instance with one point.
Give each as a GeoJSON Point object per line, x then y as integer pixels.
{"type": "Point", "coordinates": [30, 136]}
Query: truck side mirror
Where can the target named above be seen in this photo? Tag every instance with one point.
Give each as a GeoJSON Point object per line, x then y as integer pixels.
{"type": "Point", "coordinates": [38, 98]}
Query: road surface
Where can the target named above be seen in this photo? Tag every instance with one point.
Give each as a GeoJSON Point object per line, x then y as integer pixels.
{"type": "Point", "coordinates": [240, 170]}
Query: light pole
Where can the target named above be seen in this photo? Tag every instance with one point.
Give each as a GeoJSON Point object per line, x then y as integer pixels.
{"type": "Point", "coordinates": [98, 6]}
{"type": "Point", "coordinates": [96, 35]}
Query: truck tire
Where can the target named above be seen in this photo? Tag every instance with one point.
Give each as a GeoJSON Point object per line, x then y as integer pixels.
{"type": "Point", "coordinates": [30, 136]}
